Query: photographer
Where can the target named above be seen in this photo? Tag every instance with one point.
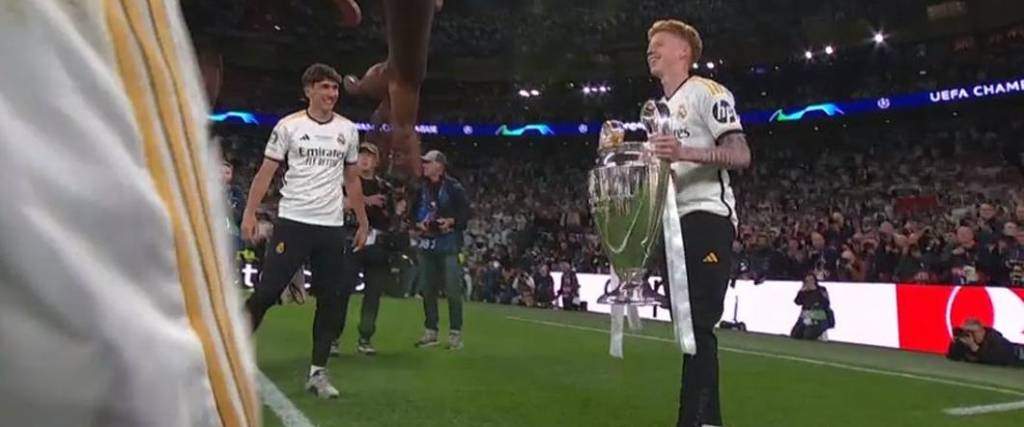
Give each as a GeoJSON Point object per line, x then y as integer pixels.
{"type": "Point", "coordinates": [976, 343]}
{"type": "Point", "coordinates": [525, 289]}
{"type": "Point", "coordinates": [544, 285]}
{"type": "Point", "coordinates": [506, 293]}
{"type": "Point", "coordinates": [440, 211]}
{"type": "Point", "coordinates": [372, 260]}
{"type": "Point", "coordinates": [816, 315]}
{"type": "Point", "coordinates": [570, 288]}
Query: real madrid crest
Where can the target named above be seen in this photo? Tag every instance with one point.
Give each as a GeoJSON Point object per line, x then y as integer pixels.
{"type": "Point", "coordinates": [681, 112]}
{"type": "Point", "coordinates": [279, 248]}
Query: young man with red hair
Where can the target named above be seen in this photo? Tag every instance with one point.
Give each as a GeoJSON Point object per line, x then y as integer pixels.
{"type": "Point", "coordinates": [706, 142]}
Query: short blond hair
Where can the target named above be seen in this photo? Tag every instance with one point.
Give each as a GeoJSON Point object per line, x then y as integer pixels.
{"type": "Point", "coordinates": [681, 29]}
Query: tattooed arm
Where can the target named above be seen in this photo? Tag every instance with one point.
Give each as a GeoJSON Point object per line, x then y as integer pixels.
{"type": "Point", "coordinates": [732, 151]}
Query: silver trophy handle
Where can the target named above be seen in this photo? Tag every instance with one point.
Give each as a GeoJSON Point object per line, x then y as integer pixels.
{"type": "Point", "coordinates": [656, 117]}
{"type": "Point", "coordinates": [613, 134]}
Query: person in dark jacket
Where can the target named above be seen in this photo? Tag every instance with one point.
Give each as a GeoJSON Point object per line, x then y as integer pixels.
{"type": "Point", "coordinates": [440, 212]}
{"type": "Point", "coordinates": [570, 288]}
{"type": "Point", "coordinates": [816, 315]}
{"type": "Point", "coordinates": [976, 343]}
{"type": "Point", "coordinates": [544, 286]}
{"type": "Point", "coordinates": [373, 260]}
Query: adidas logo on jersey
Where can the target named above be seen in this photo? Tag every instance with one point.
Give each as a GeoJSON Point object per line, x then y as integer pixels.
{"type": "Point", "coordinates": [711, 258]}
{"type": "Point", "coordinates": [304, 137]}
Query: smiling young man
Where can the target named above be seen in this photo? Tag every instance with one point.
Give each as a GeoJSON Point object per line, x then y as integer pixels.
{"type": "Point", "coordinates": [707, 141]}
{"type": "Point", "coordinates": [321, 148]}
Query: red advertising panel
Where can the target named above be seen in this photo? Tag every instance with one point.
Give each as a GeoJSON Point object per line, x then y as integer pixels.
{"type": "Point", "coordinates": [928, 313]}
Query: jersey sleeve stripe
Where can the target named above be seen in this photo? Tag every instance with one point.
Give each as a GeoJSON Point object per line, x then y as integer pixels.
{"type": "Point", "coordinates": [243, 381]}
{"type": "Point", "coordinates": [160, 54]}
{"type": "Point", "coordinates": [714, 88]}
{"type": "Point", "coordinates": [136, 88]}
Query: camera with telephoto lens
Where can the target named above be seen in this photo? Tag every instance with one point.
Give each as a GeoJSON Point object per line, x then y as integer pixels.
{"type": "Point", "coordinates": [959, 333]}
{"type": "Point", "coordinates": [434, 226]}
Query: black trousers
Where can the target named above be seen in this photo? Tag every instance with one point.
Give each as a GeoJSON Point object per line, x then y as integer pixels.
{"type": "Point", "coordinates": [808, 332]}
{"type": "Point", "coordinates": [290, 246]}
{"type": "Point", "coordinates": [707, 240]}
{"type": "Point", "coordinates": [372, 262]}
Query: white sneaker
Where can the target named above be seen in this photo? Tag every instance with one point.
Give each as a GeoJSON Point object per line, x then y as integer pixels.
{"type": "Point", "coordinates": [429, 339]}
{"type": "Point", "coordinates": [455, 341]}
{"type": "Point", "coordinates": [320, 385]}
{"type": "Point", "coordinates": [366, 348]}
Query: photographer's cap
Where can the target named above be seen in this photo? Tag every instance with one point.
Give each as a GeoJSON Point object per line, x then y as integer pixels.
{"type": "Point", "coordinates": [435, 156]}
{"type": "Point", "coordinates": [369, 147]}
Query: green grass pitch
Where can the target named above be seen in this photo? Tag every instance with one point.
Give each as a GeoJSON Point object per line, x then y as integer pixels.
{"type": "Point", "coordinates": [527, 367]}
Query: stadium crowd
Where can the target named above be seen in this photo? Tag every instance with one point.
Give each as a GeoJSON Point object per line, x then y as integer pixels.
{"type": "Point", "coordinates": [933, 202]}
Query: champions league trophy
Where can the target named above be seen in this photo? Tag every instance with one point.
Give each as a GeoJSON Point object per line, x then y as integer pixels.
{"type": "Point", "coordinates": [627, 197]}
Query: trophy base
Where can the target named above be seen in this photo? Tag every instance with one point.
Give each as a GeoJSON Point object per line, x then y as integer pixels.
{"type": "Point", "coordinates": [636, 296]}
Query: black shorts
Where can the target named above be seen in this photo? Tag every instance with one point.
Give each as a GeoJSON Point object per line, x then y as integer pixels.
{"type": "Point", "coordinates": [293, 244]}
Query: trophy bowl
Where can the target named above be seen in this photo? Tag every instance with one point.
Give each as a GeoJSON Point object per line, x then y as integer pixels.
{"type": "Point", "coordinates": [627, 194]}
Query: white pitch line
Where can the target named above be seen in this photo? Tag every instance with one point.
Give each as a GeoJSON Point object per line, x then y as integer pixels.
{"type": "Point", "coordinates": [273, 397]}
{"type": "Point", "coordinates": [797, 359]}
{"type": "Point", "coordinates": [985, 409]}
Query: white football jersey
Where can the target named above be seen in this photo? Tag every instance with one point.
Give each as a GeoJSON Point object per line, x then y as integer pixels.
{"type": "Point", "coordinates": [703, 111]}
{"type": "Point", "coordinates": [317, 154]}
{"type": "Point", "coordinates": [117, 308]}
